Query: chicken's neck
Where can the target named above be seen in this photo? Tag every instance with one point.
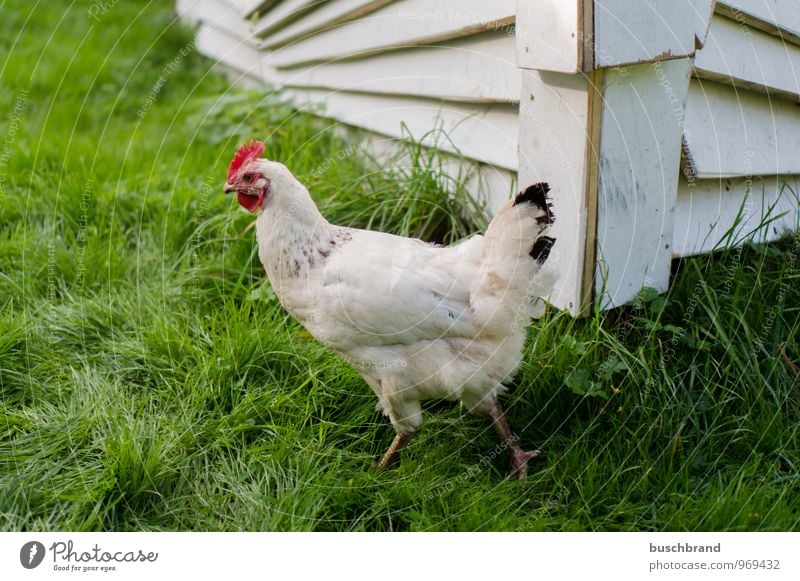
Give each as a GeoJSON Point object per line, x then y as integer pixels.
{"type": "Point", "coordinates": [293, 239]}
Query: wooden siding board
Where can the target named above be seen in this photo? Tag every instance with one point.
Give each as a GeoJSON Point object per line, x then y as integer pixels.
{"type": "Point", "coordinates": [734, 133]}
{"type": "Point", "coordinates": [778, 17]}
{"type": "Point", "coordinates": [707, 209]}
{"type": "Point", "coordinates": [325, 16]}
{"type": "Point", "coordinates": [487, 134]}
{"type": "Point", "coordinates": [403, 23]}
{"type": "Point", "coordinates": [749, 59]}
{"type": "Point", "coordinates": [284, 14]}
{"type": "Point", "coordinates": [223, 16]}
{"type": "Point", "coordinates": [477, 69]}
{"type": "Point", "coordinates": [249, 7]}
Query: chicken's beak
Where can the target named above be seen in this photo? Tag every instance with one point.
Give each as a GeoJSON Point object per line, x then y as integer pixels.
{"type": "Point", "coordinates": [229, 187]}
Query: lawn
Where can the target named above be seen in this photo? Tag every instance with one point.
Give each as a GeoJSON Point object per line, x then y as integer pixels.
{"type": "Point", "coordinates": [149, 379]}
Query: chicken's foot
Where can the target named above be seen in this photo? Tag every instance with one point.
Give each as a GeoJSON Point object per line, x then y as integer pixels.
{"type": "Point", "coordinates": [393, 453]}
{"type": "Point", "coordinates": [519, 457]}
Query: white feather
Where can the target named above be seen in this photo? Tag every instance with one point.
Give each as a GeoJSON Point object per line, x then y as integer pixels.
{"type": "Point", "coordinates": [418, 321]}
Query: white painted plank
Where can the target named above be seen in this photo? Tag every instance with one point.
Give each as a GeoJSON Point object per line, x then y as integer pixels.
{"type": "Point", "coordinates": [248, 7]}
{"type": "Point", "coordinates": [708, 209]}
{"type": "Point", "coordinates": [285, 13]}
{"type": "Point", "coordinates": [553, 140]}
{"type": "Point", "coordinates": [734, 133]}
{"type": "Point", "coordinates": [229, 50]}
{"type": "Point", "coordinates": [478, 69]}
{"type": "Point", "coordinates": [550, 35]}
{"type": "Point", "coordinates": [486, 133]}
{"type": "Point", "coordinates": [325, 16]}
{"type": "Point", "coordinates": [402, 23]}
{"type": "Point", "coordinates": [646, 30]}
{"type": "Point", "coordinates": [640, 141]}
{"type": "Point", "coordinates": [749, 59]}
{"type": "Point", "coordinates": [778, 17]}
{"type": "Point", "coordinates": [223, 16]}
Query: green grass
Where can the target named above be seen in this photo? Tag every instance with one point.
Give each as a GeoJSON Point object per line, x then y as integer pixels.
{"type": "Point", "coordinates": [149, 380]}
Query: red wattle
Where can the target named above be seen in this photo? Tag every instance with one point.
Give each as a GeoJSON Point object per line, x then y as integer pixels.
{"type": "Point", "coordinates": [251, 203]}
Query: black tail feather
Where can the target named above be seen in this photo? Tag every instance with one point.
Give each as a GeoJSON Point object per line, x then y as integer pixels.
{"type": "Point", "coordinates": [537, 195]}
{"type": "Point", "coordinates": [541, 248]}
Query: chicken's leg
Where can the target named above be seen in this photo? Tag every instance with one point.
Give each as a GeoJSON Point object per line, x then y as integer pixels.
{"type": "Point", "coordinates": [393, 453]}
{"type": "Point", "coordinates": [519, 457]}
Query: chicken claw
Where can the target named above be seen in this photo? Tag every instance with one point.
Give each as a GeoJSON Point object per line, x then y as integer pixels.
{"type": "Point", "coordinates": [392, 455]}
{"type": "Point", "coordinates": [519, 457]}
{"type": "Point", "coordinates": [519, 462]}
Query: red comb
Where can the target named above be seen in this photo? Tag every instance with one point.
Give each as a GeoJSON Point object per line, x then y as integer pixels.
{"type": "Point", "coordinates": [245, 154]}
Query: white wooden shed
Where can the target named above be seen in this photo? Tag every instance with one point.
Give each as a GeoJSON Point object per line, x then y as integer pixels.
{"type": "Point", "coordinates": [659, 123]}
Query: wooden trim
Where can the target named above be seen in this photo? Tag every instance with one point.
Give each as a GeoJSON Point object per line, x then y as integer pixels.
{"type": "Point", "coordinates": [640, 149]}
{"type": "Point", "coordinates": [549, 35]}
{"type": "Point", "coordinates": [591, 189]}
{"type": "Point", "coordinates": [586, 36]}
{"type": "Point", "coordinates": [553, 126]}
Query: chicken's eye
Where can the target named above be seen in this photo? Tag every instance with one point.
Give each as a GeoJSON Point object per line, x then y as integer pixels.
{"type": "Point", "coordinates": [248, 177]}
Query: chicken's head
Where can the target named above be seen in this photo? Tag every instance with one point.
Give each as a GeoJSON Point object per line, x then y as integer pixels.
{"type": "Point", "coordinates": [254, 179]}
{"type": "Point", "coordinates": [246, 178]}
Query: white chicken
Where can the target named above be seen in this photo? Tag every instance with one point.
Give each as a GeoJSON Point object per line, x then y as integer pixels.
{"type": "Point", "coordinates": [418, 321]}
